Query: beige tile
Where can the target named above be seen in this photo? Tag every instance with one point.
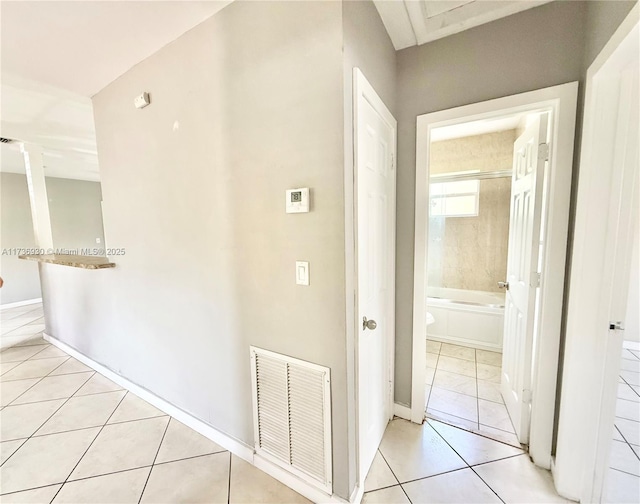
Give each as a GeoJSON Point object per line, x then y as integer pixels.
{"type": "Point", "coordinates": [417, 451]}
{"type": "Point", "coordinates": [630, 365]}
{"type": "Point", "coordinates": [427, 393]}
{"type": "Point", "coordinates": [631, 377]}
{"type": "Point", "coordinates": [621, 488]}
{"type": "Point", "coordinates": [460, 366]}
{"type": "Point", "coordinates": [433, 346]}
{"type": "Point", "coordinates": [393, 495]}
{"type": "Point", "coordinates": [491, 358]}
{"type": "Point", "coordinates": [17, 354]}
{"type": "Point", "coordinates": [250, 485]}
{"type": "Point", "coordinates": [45, 460]}
{"type": "Point", "coordinates": [616, 435]}
{"type": "Point", "coordinates": [432, 360]}
{"type": "Point", "coordinates": [623, 458]}
{"type": "Point", "coordinates": [457, 351]}
{"type": "Point", "coordinates": [452, 420]}
{"type": "Point", "coordinates": [489, 391]}
{"type": "Point", "coordinates": [629, 429]}
{"type": "Point", "coordinates": [472, 448]}
{"type": "Point", "coordinates": [429, 376]}
{"type": "Point", "coordinates": [494, 415]}
{"type": "Point", "coordinates": [517, 480]}
{"type": "Point", "coordinates": [197, 480]}
{"type": "Point", "coordinates": [134, 408]}
{"type": "Point", "coordinates": [122, 487]}
{"type": "Point", "coordinates": [627, 392]}
{"type": "Point", "coordinates": [11, 390]}
{"type": "Point", "coordinates": [489, 373]}
{"type": "Point", "coordinates": [380, 476]}
{"type": "Point", "coordinates": [628, 409]}
{"type": "Point", "coordinates": [455, 382]}
{"type": "Point", "coordinates": [33, 340]}
{"type": "Point", "coordinates": [53, 387]}
{"type": "Point", "coordinates": [49, 352]}
{"type": "Point", "coordinates": [71, 366]}
{"type": "Point", "coordinates": [82, 412]}
{"type": "Point", "coordinates": [500, 435]}
{"type": "Point", "coordinates": [182, 442]}
{"type": "Point", "coordinates": [35, 496]}
{"type": "Point", "coordinates": [18, 422]}
{"type": "Point", "coordinates": [453, 403]}
{"type": "Point", "coordinates": [456, 487]}
{"type": "Point", "coordinates": [98, 384]}
{"type": "Point", "coordinates": [8, 448]}
{"type": "Point", "coordinates": [113, 448]}
{"type": "Point", "coordinates": [33, 369]}
{"type": "Point", "coordinates": [5, 367]}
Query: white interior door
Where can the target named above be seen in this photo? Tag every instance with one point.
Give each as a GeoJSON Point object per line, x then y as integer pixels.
{"type": "Point", "coordinates": [529, 157]}
{"type": "Point", "coordinates": [375, 209]}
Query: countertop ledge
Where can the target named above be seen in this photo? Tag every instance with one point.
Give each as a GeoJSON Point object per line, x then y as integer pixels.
{"type": "Point", "coordinates": [75, 261]}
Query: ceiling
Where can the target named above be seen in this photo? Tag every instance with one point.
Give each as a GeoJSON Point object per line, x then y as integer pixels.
{"type": "Point", "coordinates": [57, 54]}
{"type": "Point", "coordinates": [416, 22]}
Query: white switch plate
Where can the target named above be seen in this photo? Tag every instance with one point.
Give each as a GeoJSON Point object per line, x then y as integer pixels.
{"type": "Point", "coordinates": [302, 273]}
{"type": "Point", "coordinates": [297, 200]}
{"type": "Point", "coordinates": [141, 101]}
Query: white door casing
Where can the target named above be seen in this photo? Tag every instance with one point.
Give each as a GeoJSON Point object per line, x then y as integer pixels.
{"type": "Point", "coordinates": [375, 144]}
{"type": "Point", "coordinates": [530, 153]}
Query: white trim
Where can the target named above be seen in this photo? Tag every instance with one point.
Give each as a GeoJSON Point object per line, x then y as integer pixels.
{"type": "Point", "coordinates": [229, 443]}
{"type": "Point", "coordinates": [402, 411]}
{"type": "Point", "coordinates": [362, 90]}
{"type": "Point", "coordinates": [561, 101]}
{"type": "Point", "coordinates": [600, 258]}
{"type": "Point", "coordinates": [20, 303]}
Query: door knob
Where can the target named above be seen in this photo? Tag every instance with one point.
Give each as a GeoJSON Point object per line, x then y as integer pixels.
{"type": "Point", "coordinates": [503, 285]}
{"type": "Point", "coordinates": [368, 324]}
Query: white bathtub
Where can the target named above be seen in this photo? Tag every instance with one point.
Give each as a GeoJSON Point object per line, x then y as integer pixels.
{"type": "Point", "coordinates": [468, 318]}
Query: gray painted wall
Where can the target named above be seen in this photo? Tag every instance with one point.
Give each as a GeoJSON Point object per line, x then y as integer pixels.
{"type": "Point", "coordinates": [243, 107]}
{"type": "Point", "coordinates": [76, 213]}
{"type": "Point", "coordinates": [21, 281]}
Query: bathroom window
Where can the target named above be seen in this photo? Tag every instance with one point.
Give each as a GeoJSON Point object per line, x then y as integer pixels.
{"type": "Point", "coordinates": [455, 199]}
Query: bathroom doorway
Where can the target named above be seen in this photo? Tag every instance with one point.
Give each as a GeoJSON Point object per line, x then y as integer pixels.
{"type": "Point", "coordinates": [487, 184]}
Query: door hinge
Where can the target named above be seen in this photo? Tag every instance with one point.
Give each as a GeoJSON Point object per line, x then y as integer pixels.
{"type": "Point", "coordinates": [543, 151]}
{"type": "Point", "coordinates": [526, 396]}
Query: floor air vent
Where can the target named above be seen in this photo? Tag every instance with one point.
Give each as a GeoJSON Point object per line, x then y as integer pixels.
{"type": "Point", "coordinates": [292, 415]}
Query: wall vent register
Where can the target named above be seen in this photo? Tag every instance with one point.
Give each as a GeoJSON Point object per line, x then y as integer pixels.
{"type": "Point", "coordinates": [292, 415]}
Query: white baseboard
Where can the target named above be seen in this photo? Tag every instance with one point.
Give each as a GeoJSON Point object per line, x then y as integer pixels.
{"type": "Point", "coordinates": [20, 303]}
{"type": "Point", "coordinates": [631, 345]}
{"type": "Point", "coordinates": [229, 443]}
{"type": "Point", "coordinates": [402, 411]}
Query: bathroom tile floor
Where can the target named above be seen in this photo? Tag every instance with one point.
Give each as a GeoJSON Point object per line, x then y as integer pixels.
{"type": "Point", "coordinates": [68, 434]}
{"type": "Point", "coordinates": [463, 389]}
{"type": "Point", "coordinates": [623, 478]}
{"type": "Point", "coordinates": [440, 463]}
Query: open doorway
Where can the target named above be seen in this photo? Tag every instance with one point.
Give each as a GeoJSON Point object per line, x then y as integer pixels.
{"type": "Point", "coordinates": [474, 234]}
{"type": "Point", "coordinates": [492, 195]}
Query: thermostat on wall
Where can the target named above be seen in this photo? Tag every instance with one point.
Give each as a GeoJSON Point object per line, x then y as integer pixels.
{"type": "Point", "coordinates": [297, 200]}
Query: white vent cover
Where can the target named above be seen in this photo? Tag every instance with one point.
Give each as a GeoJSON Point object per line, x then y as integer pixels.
{"type": "Point", "coordinates": [292, 415]}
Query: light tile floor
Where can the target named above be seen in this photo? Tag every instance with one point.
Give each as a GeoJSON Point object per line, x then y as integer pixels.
{"type": "Point", "coordinates": [436, 462]}
{"type": "Point", "coordinates": [70, 435]}
{"type": "Point", "coordinates": [623, 480]}
{"type": "Point", "coordinates": [18, 324]}
{"type": "Point", "coordinates": [463, 389]}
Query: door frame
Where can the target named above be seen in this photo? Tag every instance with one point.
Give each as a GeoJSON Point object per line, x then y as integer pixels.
{"type": "Point", "coordinates": [561, 101]}
{"type": "Point", "coordinates": [364, 91]}
{"type": "Point", "coordinates": [603, 210]}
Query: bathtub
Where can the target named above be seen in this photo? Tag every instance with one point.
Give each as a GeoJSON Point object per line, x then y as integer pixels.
{"type": "Point", "coordinates": [468, 318]}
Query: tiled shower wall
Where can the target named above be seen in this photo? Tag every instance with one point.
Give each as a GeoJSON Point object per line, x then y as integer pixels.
{"type": "Point", "coordinates": [471, 252]}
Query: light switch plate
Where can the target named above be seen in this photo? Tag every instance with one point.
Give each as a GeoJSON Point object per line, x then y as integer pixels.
{"type": "Point", "coordinates": [297, 200]}
{"type": "Point", "coordinates": [302, 273]}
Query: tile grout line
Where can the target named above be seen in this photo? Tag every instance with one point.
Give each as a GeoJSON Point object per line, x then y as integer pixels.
{"type": "Point", "coordinates": [19, 327]}
{"type": "Point", "coordinates": [470, 467]}
{"type": "Point", "coordinates": [229, 480]}
{"type": "Point", "coordinates": [47, 419]}
{"type": "Point", "coordinates": [154, 459]}
{"type": "Point", "coordinates": [394, 475]}
{"type": "Point", "coordinates": [11, 402]}
{"type": "Point", "coordinates": [479, 433]}
{"type": "Point", "coordinates": [88, 447]}
{"type": "Point", "coordinates": [47, 375]}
